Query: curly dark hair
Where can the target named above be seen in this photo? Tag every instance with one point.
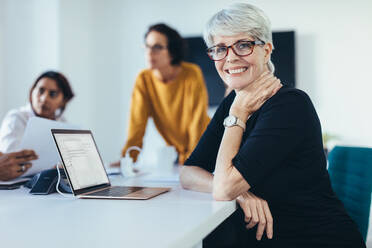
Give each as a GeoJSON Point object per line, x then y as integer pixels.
{"type": "Point", "coordinates": [62, 83]}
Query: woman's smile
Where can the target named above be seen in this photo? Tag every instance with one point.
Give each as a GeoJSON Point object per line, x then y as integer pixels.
{"type": "Point", "coordinates": [236, 70]}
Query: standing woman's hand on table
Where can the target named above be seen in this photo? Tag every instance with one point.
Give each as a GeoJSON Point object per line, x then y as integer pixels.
{"type": "Point", "coordinates": [15, 164]}
{"type": "Point", "coordinates": [257, 212]}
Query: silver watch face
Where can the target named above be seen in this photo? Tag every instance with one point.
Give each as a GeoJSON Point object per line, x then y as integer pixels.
{"type": "Point", "coordinates": [230, 121]}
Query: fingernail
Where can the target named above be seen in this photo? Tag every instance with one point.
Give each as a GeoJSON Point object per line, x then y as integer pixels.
{"type": "Point", "coordinates": [258, 238]}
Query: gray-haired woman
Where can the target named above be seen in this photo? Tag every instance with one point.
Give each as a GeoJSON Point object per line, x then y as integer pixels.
{"type": "Point", "coordinates": [263, 148]}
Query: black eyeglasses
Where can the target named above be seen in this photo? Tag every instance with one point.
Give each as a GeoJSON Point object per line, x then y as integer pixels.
{"type": "Point", "coordinates": [240, 48]}
{"type": "Point", "coordinates": [155, 48]}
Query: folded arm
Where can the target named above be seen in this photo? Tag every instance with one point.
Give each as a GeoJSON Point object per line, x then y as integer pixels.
{"type": "Point", "coordinates": [196, 178]}
{"type": "Point", "coordinates": [228, 182]}
{"type": "Point", "coordinates": [256, 210]}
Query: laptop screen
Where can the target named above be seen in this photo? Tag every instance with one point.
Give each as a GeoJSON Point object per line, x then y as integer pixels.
{"type": "Point", "coordinates": [81, 159]}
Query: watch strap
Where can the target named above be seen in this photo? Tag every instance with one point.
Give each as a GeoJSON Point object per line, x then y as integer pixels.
{"type": "Point", "coordinates": [236, 122]}
{"type": "Point", "coordinates": [240, 123]}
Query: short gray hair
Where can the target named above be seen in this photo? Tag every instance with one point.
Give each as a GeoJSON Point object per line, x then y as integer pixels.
{"type": "Point", "coordinates": [240, 18]}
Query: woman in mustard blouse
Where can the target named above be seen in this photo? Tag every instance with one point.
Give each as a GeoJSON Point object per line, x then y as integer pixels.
{"type": "Point", "coordinates": [170, 91]}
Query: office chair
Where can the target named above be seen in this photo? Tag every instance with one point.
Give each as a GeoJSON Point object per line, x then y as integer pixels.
{"type": "Point", "coordinates": [350, 171]}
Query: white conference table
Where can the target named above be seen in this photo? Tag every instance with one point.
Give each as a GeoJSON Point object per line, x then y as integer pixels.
{"type": "Point", "coordinates": [179, 218]}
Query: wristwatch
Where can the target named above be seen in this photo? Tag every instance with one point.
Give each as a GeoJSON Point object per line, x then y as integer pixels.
{"type": "Point", "coordinates": [232, 120]}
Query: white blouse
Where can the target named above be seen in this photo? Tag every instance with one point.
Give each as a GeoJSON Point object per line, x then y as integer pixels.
{"type": "Point", "coordinates": [13, 128]}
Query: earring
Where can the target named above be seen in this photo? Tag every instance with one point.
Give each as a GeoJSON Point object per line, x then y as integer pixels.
{"type": "Point", "coordinates": [58, 112]}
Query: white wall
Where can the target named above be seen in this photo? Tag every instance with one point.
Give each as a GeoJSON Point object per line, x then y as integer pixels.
{"type": "Point", "coordinates": [98, 44]}
{"type": "Point", "coordinates": [91, 48]}
{"type": "Point", "coordinates": [2, 48]}
{"type": "Point", "coordinates": [101, 45]}
{"type": "Point", "coordinates": [332, 65]}
{"type": "Point", "coordinates": [29, 41]}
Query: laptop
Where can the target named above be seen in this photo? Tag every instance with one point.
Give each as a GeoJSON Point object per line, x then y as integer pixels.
{"type": "Point", "coordinates": [85, 170]}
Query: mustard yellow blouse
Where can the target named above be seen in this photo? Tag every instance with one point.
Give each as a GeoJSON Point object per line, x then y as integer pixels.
{"type": "Point", "coordinates": [178, 108]}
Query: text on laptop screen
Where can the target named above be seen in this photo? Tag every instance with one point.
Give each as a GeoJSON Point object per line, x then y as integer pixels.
{"type": "Point", "coordinates": [81, 159]}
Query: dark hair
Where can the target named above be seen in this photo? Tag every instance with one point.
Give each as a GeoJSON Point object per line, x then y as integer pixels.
{"type": "Point", "coordinates": [62, 84]}
{"type": "Point", "coordinates": [176, 45]}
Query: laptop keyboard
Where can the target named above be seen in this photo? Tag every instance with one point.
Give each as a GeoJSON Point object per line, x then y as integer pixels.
{"type": "Point", "coordinates": [116, 191]}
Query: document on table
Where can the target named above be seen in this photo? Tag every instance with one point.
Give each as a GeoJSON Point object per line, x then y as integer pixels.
{"type": "Point", "coordinates": [38, 137]}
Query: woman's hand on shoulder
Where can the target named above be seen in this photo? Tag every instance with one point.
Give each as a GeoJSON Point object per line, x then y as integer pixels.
{"type": "Point", "coordinates": [253, 96]}
{"type": "Point", "coordinates": [257, 212]}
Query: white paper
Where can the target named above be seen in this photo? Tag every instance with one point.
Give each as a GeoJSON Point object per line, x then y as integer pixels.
{"type": "Point", "coordinates": [38, 137]}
